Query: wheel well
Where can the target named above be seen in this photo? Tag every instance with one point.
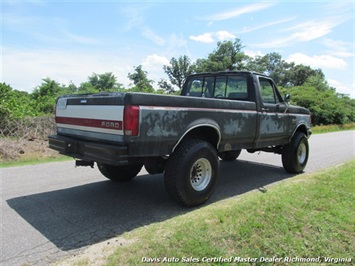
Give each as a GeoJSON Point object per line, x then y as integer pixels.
{"type": "Point", "coordinates": [303, 129]}
{"type": "Point", "coordinates": [207, 133]}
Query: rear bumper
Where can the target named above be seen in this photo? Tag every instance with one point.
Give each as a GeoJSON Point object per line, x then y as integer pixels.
{"type": "Point", "coordinates": [89, 151]}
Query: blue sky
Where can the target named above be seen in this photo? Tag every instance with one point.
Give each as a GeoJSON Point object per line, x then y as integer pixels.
{"type": "Point", "coordinates": [70, 40]}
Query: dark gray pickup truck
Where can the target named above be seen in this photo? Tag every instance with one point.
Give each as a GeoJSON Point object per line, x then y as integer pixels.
{"type": "Point", "coordinates": [216, 116]}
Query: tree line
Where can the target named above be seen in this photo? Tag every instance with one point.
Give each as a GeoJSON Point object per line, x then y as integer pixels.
{"type": "Point", "coordinates": [307, 86]}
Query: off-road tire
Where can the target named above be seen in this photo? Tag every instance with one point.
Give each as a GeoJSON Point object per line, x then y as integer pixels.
{"type": "Point", "coordinates": [229, 156]}
{"type": "Point", "coordinates": [295, 154]}
{"type": "Point", "coordinates": [119, 173]}
{"type": "Point", "coordinates": [191, 172]}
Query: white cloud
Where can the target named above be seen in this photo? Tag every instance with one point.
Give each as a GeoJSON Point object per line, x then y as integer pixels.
{"type": "Point", "coordinates": [135, 15]}
{"type": "Point", "coordinates": [342, 88]}
{"type": "Point", "coordinates": [208, 37]}
{"type": "Point", "coordinates": [311, 30]}
{"type": "Point", "coordinates": [175, 43]}
{"type": "Point", "coordinates": [155, 61]}
{"type": "Point", "coordinates": [237, 12]}
{"type": "Point", "coordinates": [318, 61]}
{"type": "Point", "coordinates": [81, 39]}
{"type": "Point", "coordinates": [265, 25]}
{"type": "Point", "coordinates": [253, 54]}
{"type": "Point", "coordinates": [151, 35]}
{"type": "Point", "coordinates": [153, 64]}
{"type": "Point", "coordinates": [205, 37]}
{"type": "Point", "coordinates": [339, 48]}
{"type": "Point", "coordinates": [224, 35]}
{"type": "Point", "coordinates": [25, 69]}
{"type": "Point", "coordinates": [304, 32]}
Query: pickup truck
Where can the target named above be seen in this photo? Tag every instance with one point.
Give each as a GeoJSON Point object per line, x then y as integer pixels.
{"type": "Point", "coordinates": [215, 117]}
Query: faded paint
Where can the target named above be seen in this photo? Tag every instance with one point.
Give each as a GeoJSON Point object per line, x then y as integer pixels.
{"type": "Point", "coordinates": [272, 124]}
{"type": "Point", "coordinates": [232, 127]}
{"type": "Point", "coordinates": [161, 123]}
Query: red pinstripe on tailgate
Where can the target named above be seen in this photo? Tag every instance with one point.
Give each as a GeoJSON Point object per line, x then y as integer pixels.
{"type": "Point", "coordinates": [86, 122]}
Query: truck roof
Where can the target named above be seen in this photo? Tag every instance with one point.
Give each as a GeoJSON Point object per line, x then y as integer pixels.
{"type": "Point", "coordinates": [228, 72]}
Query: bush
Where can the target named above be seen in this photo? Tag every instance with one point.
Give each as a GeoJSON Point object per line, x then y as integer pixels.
{"type": "Point", "coordinates": [327, 107]}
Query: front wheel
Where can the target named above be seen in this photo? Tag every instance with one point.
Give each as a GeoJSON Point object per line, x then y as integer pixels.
{"type": "Point", "coordinates": [295, 154]}
{"type": "Point", "coordinates": [191, 172]}
{"type": "Point", "coordinates": [121, 172]}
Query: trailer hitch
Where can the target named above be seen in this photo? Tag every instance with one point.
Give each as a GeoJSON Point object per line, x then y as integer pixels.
{"type": "Point", "coordinates": [84, 163]}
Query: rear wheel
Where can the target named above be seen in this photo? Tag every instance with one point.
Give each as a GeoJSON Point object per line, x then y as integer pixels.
{"type": "Point", "coordinates": [295, 154]}
{"type": "Point", "coordinates": [191, 172]}
{"type": "Point", "coordinates": [119, 173]}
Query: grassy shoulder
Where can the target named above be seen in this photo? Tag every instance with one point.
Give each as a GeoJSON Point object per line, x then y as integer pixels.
{"type": "Point", "coordinates": [332, 128]}
{"type": "Point", "coordinates": [34, 160]}
{"type": "Point", "coordinates": [310, 216]}
{"type": "Point", "coordinates": [19, 152]}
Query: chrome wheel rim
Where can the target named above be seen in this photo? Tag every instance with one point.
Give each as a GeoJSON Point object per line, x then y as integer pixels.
{"type": "Point", "coordinates": [302, 153]}
{"type": "Point", "coordinates": [200, 175]}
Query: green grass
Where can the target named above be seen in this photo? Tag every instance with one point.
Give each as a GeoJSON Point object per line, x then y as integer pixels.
{"type": "Point", "coordinates": [34, 160]}
{"type": "Point", "coordinates": [332, 128]}
{"type": "Point", "coordinates": [308, 216]}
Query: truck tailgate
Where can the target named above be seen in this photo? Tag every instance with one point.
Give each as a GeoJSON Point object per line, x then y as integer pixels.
{"type": "Point", "coordinates": [92, 117]}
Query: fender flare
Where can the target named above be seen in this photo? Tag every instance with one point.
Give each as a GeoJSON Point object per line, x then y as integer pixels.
{"type": "Point", "coordinates": [194, 127]}
{"type": "Point", "coordinates": [302, 127]}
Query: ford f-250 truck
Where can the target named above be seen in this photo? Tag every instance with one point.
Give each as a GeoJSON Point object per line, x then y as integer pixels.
{"type": "Point", "coordinates": [216, 116]}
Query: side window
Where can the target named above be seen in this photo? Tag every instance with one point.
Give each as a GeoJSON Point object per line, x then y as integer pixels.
{"type": "Point", "coordinates": [220, 90]}
{"type": "Point", "coordinates": [195, 87]}
{"type": "Point", "coordinates": [201, 87]}
{"type": "Point", "coordinates": [237, 87]}
{"type": "Point", "coordinates": [208, 87]}
{"type": "Point", "coordinates": [231, 87]}
{"type": "Point", "coordinates": [268, 92]}
{"type": "Point", "coordinates": [227, 87]}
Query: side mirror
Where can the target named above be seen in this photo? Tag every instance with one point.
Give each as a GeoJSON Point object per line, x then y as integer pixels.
{"type": "Point", "coordinates": [287, 98]}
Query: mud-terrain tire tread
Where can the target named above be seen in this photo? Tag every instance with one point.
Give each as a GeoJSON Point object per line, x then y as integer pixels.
{"type": "Point", "coordinates": [178, 168]}
{"type": "Point", "coordinates": [289, 154]}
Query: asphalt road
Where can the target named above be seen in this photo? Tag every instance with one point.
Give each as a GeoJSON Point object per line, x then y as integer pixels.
{"type": "Point", "coordinates": [53, 210]}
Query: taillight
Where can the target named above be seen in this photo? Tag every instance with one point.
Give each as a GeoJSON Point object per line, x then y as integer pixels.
{"type": "Point", "coordinates": [131, 120]}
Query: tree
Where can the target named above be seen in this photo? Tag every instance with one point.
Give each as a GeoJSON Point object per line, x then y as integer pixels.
{"type": "Point", "coordinates": [272, 65]}
{"type": "Point", "coordinates": [297, 75]}
{"type": "Point", "coordinates": [317, 81]}
{"type": "Point", "coordinates": [72, 88]}
{"type": "Point", "coordinates": [140, 80]}
{"type": "Point", "coordinates": [166, 86]}
{"type": "Point", "coordinates": [227, 56]}
{"type": "Point", "coordinates": [5, 96]}
{"type": "Point", "coordinates": [15, 104]}
{"type": "Point", "coordinates": [49, 87]}
{"type": "Point", "coordinates": [104, 82]}
{"type": "Point", "coordinates": [326, 106]}
{"type": "Point", "coordinates": [87, 87]}
{"type": "Point", "coordinates": [45, 95]}
{"type": "Point", "coordinates": [178, 70]}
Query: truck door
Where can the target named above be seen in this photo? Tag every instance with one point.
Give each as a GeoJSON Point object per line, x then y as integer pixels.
{"type": "Point", "coordinates": [273, 116]}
